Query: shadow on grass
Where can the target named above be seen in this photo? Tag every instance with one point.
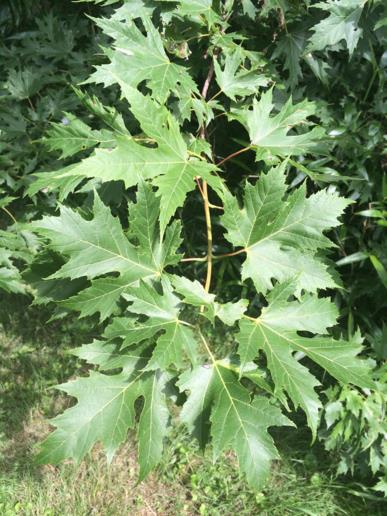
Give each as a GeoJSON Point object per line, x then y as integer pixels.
{"type": "Point", "coordinates": [33, 360]}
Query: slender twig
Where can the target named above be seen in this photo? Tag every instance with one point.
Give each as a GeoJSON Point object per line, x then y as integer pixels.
{"type": "Point", "coordinates": [195, 37]}
{"type": "Point", "coordinates": [207, 213]}
{"type": "Point", "coordinates": [376, 71]}
{"type": "Point", "coordinates": [208, 80]}
{"type": "Point", "coordinates": [240, 151]}
{"type": "Point", "coordinates": [185, 323]}
{"type": "Point", "coordinates": [199, 186]}
{"type": "Point", "coordinates": [226, 255]}
{"type": "Point", "coordinates": [203, 259]}
{"type": "Point", "coordinates": [30, 103]}
{"type": "Point", "coordinates": [216, 95]}
{"type": "Point", "coordinates": [204, 189]}
{"type": "Point", "coordinates": [214, 207]}
{"type": "Point", "coordinates": [9, 214]}
{"type": "Point", "coordinates": [214, 256]}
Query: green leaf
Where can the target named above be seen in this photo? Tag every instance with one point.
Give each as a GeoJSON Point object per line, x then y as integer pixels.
{"type": "Point", "coordinates": [49, 181]}
{"type": "Point", "coordinates": [133, 331]}
{"type": "Point", "coordinates": [72, 136]}
{"type": "Point", "coordinates": [25, 83]}
{"type": "Point", "coordinates": [287, 374]}
{"type": "Point", "coordinates": [310, 313]}
{"type": "Point", "coordinates": [290, 47]}
{"type": "Point", "coordinates": [107, 417]}
{"type": "Point", "coordinates": [269, 134]}
{"type": "Point", "coordinates": [144, 226]}
{"type": "Point", "coordinates": [238, 83]}
{"type": "Point", "coordinates": [162, 311]}
{"type": "Point", "coordinates": [177, 177]}
{"type": "Point", "coordinates": [192, 291]}
{"type": "Point", "coordinates": [230, 312]}
{"type": "Point", "coordinates": [10, 278]}
{"type": "Point", "coordinates": [379, 267]}
{"type": "Point", "coordinates": [249, 8]}
{"type": "Point", "coordinates": [197, 409]}
{"type": "Point", "coordinates": [381, 485]}
{"type": "Point", "coordinates": [199, 10]}
{"type": "Point", "coordinates": [281, 235]}
{"type": "Point", "coordinates": [277, 5]}
{"type": "Point", "coordinates": [147, 301]}
{"type": "Point", "coordinates": [132, 10]}
{"type": "Point", "coordinates": [16, 247]}
{"type": "Point", "coordinates": [194, 294]}
{"type": "Point", "coordinates": [235, 422]}
{"type": "Point", "coordinates": [102, 296]}
{"type": "Point", "coordinates": [99, 246]}
{"type": "Point", "coordinates": [137, 57]}
{"type": "Point", "coordinates": [94, 247]}
{"type": "Point", "coordinates": [170, 164]}
{"type": "Point", "coordinates": [107, 355]}
{"type": "Point", "coordinates": [109, 115]}
{"type": "Point", "coordinates": [341, 24]}
{"type": "Point", "coordinates": [171, 345]}
{"type": "Point", "coordinates": [275, 333]}
{"type": "Point", "coordinates": [153, 423]}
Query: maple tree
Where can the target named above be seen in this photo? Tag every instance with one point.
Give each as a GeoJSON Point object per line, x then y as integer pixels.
{"type": "Point", "coordinates": [133, 267]}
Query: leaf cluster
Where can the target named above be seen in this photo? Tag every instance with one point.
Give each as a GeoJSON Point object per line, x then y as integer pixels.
{"type": "Point", "coordinates": [266, 131]}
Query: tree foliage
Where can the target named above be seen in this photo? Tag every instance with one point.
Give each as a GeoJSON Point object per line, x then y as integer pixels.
{"type": "Point", "coordinates": [207, 111]}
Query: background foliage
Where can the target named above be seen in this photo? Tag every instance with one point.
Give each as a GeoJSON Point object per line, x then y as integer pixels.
{"type": "Point", "coordinates": [331, 53]}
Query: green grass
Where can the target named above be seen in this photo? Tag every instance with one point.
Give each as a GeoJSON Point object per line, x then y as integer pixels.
{"type": "Point", "coordinates": [34, 360]}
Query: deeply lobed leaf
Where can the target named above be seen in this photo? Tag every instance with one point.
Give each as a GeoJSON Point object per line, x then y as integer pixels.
{"type": "Point", "coordinates": [281, 235]}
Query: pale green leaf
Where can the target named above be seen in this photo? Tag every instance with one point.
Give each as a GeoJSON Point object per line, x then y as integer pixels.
{"type": "Point", "coordinates": [94, 247]}
{"type": "Point", "coordinates": [107, 355]}
{"type": "Point", "coordinates": [162, 310]}
{"type": "Point", "coordinates": [275, 333]}
{"type": "Point", "coordinates": [197, 409]}
{"type": "Point", "coordinates": [144, 226]}
{"type": "Point", "coordinates": [104, 418]}
{"type": "Point", "coordinates": [281, 235]}
{"type": "Point", "coordinates": [199, 10]}
{"type": "Point", "coordinates": [137, 57]}
{"type": "Point", "coordinates": [10, 278]}
{"type": "Point", "coordinates": [132, 331]}
{"type": "Point", "coordinates": [192, 291]}
{"type": "Point", "coordinates": [145, 300]}
{"type": "Point", "coordinates": [99, 246]}
{"type": "Point", "coordinates": [102, 296]}
{"type": "Point", "coordinates": [194, 294]}
{"type": "Point", "coordinates": [341, 24]}
{"type": "Point", "coordinates": [170, 164]}
{"type": "Point", "coordinates": [249, 8]}
{"type": "Point", "coordinates": [235, 80]}
{"type": "Point", "coordinates": [269, 134]}
{"type": "Point", "coordinates": [107, 417]}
